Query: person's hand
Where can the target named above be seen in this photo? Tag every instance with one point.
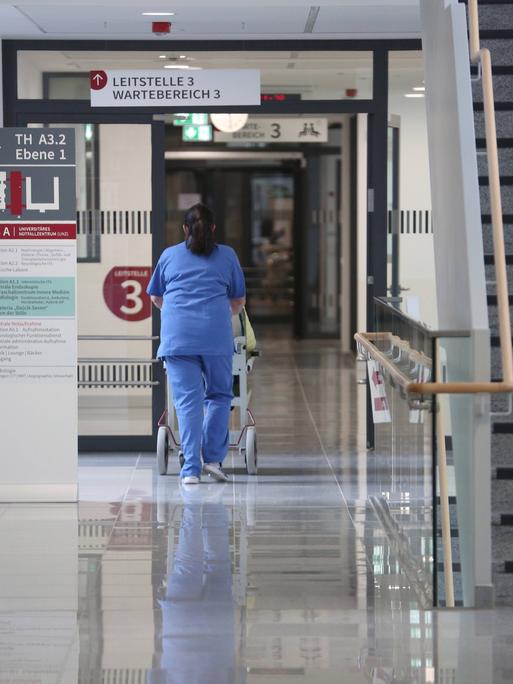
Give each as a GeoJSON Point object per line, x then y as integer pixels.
{"type": "Point", "coordinates": [158, 301]}
{"type": "Point", "coordinates": [237, 305]}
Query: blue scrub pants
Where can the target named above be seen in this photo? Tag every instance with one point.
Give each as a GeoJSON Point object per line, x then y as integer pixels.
{"type": "Point", "coordinates": [202, 393]}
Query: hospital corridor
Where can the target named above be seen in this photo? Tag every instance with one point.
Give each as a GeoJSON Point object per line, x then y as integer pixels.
{"type": "Point", "coordinates": [256, 349]}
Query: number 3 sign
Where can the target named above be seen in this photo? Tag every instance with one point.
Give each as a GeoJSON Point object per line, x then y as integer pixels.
{"type": "Point", "coordinates": [124, 291]}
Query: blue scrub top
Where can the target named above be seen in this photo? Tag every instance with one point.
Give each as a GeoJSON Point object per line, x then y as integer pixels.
{"type": "Point", "coordinates": [196, 315]}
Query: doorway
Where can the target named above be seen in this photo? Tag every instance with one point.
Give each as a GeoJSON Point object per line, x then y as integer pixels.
{"type": "Point", "coordinates": [254, 206]}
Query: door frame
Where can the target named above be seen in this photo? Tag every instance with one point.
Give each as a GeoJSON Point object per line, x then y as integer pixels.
{"type": "Point", "coordinates": [291, 165]}
{"type": "Point", "coordinates": [68, 111]}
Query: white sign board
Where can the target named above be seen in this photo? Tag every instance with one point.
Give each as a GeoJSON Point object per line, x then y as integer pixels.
{"type": "Point", "coordinates": [185, 88]}
{"type": "Point", "coordinates": [38, 336]}
{"type": "Point", "coordinates": [278, 130]}
{"type": "Point", "coordinates": [379, 401]}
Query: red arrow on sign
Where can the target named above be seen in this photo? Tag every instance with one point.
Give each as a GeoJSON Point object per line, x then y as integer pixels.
{"type": "Point", "coordinates": [98, 80]}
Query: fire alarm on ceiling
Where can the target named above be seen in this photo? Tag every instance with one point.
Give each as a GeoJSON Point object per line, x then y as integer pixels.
{"type": "Point", "coordinates": [161, 28]}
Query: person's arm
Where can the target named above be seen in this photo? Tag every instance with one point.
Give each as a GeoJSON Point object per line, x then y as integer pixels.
{"type": "Point", "coordinates": [156, 286]}
{"type": "Point", "coordinates": [237, 305]}
{"type": "Point", "coordinates": [158, 301]}
{"type": "Point", "coordinates": [237, 287]}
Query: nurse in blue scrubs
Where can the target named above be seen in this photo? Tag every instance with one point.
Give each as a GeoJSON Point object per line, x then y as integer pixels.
{"type": "Point", "coordinates": [199, 285]}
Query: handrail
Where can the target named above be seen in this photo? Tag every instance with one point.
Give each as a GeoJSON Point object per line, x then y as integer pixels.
{"type": "Point", "coordinates": [366, 340]}
{"type": "Point", "coordinates": [479, 55]}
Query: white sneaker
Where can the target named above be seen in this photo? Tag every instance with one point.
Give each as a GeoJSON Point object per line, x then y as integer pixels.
{"type": "Point", "coordinates": [215, 471]}
{"type": "Point", "coordinates": [190, 480]}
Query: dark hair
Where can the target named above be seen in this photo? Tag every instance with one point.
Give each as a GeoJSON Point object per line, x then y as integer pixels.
{"type": "Point", "coordinates": [199, 220]}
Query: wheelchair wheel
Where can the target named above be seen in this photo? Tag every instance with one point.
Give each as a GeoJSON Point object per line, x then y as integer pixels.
{"type": "Point", "coordinates": [162, 450]}
{"type": "Point", "coordinates": [251, 452]}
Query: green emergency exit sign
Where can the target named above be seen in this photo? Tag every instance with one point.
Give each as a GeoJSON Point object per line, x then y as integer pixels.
{"type": "Point", "coordinates": [192, 133]}
{"type": "Point", "coordinates": [190, 119]}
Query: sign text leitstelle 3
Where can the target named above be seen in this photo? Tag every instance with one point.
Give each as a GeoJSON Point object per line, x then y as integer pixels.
{"type": "Point", "coordinates": [218, 87]}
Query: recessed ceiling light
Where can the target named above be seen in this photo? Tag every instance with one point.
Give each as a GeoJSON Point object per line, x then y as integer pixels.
{"type": "Point", "coordinates": [162, 56]}
{"type": "Point", "coordinates": [414, 95]}
{"type": "Point", "coordinates": [183, 56]}
{"type": "Point", "coordinates": [420, 88]}
{"type": "Point", "coordinates": [158, 14]}
{"type": "Point", "coordinates": [182, 67]}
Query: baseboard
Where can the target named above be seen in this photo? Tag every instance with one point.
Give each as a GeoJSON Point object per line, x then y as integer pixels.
{"type": "Point", "coordinates": [39, 493]}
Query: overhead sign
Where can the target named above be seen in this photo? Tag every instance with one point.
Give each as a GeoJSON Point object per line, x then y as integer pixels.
{"type": "Point", "coordinates": [279, 130]}
{"type": "Point", "coordinates": [216, 87]}
{"type": "Point", "coordinates": [38, 336]}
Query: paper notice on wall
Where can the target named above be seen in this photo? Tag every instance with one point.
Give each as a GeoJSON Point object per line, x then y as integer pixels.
{"type": "Point", "coordinates": [379, 401]}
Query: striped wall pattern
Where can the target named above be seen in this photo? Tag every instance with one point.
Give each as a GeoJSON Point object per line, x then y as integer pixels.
{"type": "Point", "coordinates": [96, 222]}
{"type": "Point", "coordinates": [116, 676]}
{"type": "Point", "coordinates": [411, 221]}
{"type": "Point", "coordinates": [122, 373]}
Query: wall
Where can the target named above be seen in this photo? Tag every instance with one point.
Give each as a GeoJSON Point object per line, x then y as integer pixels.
{"type": "Point", "coordinates": [124, 186]}
{"type": "Point", "coordinates": [462, 300]}
{"type": "Point", "coordinates": [417, 263]}
{"type": "Point", "coordinates": [361, 220]}
{"type": "Point", "coordinates": [30, 81]}
{"type": "Point", "coordinates": [1, 89]}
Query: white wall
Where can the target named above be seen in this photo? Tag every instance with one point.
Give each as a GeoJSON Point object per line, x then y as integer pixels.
{"type": "Point", "coordinates": [345, 222]}
{"type": "Point", "coordinates": [417, 261]}
{"type": "Point", "coordinates": [125, 166]}
{"type": "Point", "coordinates": [125, 185]}
{"type": "Point", "coordinates": [1, 89]}
{"type": "Point", "coordinates": [415, 191]}
{"type": "Point", "coordinates": [361, 220]}
{"type": "Point", "coordinates": [30, 81]}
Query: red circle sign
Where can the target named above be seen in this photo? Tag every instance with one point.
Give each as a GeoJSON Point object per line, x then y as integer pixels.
{"type": "Point", "coordinates": [124, 292]}
{"type": "Point", "coordinates": [99, 79]}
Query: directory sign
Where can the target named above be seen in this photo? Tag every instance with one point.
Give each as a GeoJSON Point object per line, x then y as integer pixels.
{"type": "Point", "coordinates": [38, 337]}
{"type": "Point", "coordinates": [183, 88]}
{"type": "Point", "coordinates": [278, 130]}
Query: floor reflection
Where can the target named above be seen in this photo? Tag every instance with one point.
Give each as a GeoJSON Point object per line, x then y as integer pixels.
{"type": "Point", "coordinates": [39, 639]}
{"type": "Point", "coordinates": [285, 577]}
{"type": "Point", "coordinates": [197, 635]}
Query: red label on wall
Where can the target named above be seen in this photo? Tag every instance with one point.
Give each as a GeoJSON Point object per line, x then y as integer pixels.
{"type": "Point", "coordinates": [38, 231]}
{"type": "Point", "coordinates": [124, 291]}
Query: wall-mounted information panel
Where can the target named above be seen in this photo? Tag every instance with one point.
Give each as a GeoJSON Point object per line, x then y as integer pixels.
{"type": "Point", "coordinates": [38, 337]}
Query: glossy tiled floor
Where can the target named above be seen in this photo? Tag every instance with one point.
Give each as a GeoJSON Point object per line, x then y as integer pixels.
{"type": "Point", "coordinates": [285, 577]}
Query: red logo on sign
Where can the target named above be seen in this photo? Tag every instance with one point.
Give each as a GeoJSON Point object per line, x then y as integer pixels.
{"type": "Point", "coordinates": [98, 80]}
{"type": "Point", "coordinates": [124, 291]}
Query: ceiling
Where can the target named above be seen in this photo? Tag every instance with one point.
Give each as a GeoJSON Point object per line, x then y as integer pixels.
{"type": "Point", "coordinates": [200, 19]}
